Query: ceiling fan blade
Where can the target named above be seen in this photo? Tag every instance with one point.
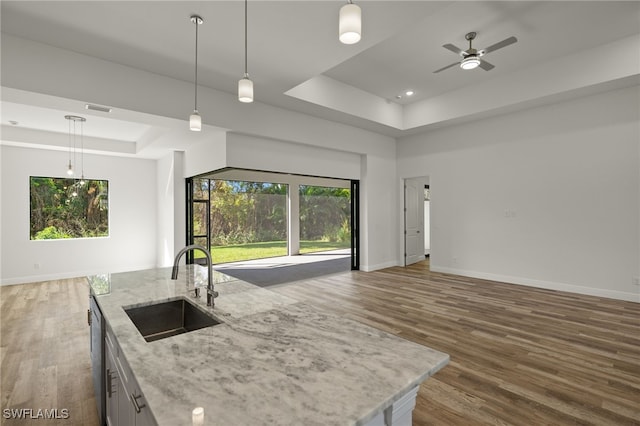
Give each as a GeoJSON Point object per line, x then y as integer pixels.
{"type": "Point", "coordinates": [448, 66]}
{"type": "Point", "coordinates": [486, 65]}
{"type": "Point", "coordinates": [499, 45]}
{"type": "Point", "coordinates": [453, 48]}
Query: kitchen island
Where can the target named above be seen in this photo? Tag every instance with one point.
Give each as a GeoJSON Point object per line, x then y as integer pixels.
{"type": "Point", "coordinates": [272, 360]}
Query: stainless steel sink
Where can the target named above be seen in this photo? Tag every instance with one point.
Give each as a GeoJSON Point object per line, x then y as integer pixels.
{"type": "Point", "coordinates": [167, 319]}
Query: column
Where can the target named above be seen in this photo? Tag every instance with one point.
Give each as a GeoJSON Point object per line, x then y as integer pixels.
{"type": "Point", "coordinates": [293, 219]}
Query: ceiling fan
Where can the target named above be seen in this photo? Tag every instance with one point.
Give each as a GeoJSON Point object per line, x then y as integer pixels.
{"type": "Point", "coordinates": [471, 57]}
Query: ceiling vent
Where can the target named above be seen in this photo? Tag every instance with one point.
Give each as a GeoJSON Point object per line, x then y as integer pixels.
{"type": "Point", "coordinates": [98, 108]}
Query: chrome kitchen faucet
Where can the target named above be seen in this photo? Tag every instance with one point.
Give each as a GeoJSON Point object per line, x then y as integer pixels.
{"type": "Point", "coordinates": [211, 294]}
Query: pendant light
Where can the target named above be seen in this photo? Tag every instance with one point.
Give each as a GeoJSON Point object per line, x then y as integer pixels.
{"type": "Point", "coordinates": [195, 121]}
{"type": "Point", "coordinates": [82, 120]}
{"type": "Point", "coordinates": [70, 166]}
{"type": "Point", "coordinates": [245, 85]}
{"type": "Point", "coordinates": [72, 142]}
{"type": "Point", "coordinates": [350, 23]}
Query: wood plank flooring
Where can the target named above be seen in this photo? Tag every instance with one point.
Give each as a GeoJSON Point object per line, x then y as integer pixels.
{"type": "Point", "coordinates": [519, 356]}
{"type": "Point", "coordinates": [44, 352]}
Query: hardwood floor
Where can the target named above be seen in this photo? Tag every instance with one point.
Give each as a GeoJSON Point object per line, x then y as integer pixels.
{"type": "Point", "coordinates": [44, 352]}
{"type": "Point", "coordinates": [519, 356]}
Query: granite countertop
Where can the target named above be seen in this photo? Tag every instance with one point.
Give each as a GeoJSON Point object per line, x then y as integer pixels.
{"type": "Point", "coordinates": [274, 361]}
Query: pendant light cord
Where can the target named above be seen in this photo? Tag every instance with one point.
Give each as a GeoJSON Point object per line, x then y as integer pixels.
{"type": "Point", "coordinates": [75, 162]}
{"type": "Point", "coordinates": [246, 74]}
{"type": "Point", "coordinates": [82, 150]}
{"type": "Point", "coordinates": [197, 23]}
{"type": "Point", "coordinates": [69, 123]}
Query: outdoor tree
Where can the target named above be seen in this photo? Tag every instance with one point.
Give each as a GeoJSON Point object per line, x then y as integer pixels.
{"type": "Point", "coordinates": [244, 212]}
{"type": "Point", "coordinates": [68, 208]}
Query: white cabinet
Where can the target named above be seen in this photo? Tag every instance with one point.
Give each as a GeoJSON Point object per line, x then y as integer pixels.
{"type": "Point", "coordinates": [125, 404]}
{"type": "Point", "coordinates": [400, 413]}
{"type": "Point", "coordinates": [111, 391]}
{"type": "Point", "coordinates": [96, 324]}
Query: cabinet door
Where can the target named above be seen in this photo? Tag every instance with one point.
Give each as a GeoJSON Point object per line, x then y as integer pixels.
{"type": "Point", "coordinates": [96, 324]}
{"type": "Point", "coordinates": [126, 406]}
{"type": "Point", "coordinates": [143, 416]}
{"type": "Point", "coordinates": [111, 384]}
{"type": "Point", "coordinates": [126, 413]}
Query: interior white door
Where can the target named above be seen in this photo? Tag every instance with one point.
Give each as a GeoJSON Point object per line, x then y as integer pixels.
{"type": "Point", "coordinates": [413, 220]}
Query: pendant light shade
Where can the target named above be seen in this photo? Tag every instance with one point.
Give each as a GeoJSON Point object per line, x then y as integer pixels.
{"type": "Point", "coordinates": [195, 121]}
{"type": "Point", "coordinates": [245, 89]}
{"type": "Point", "coordinates": [245, 85]}
{"type": "Point", "coordinates": [350, 24]}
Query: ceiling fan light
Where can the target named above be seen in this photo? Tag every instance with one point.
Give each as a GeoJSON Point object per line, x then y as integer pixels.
{"type": "Point", "coordinates": [470, 62]}
{"type": "Point", "coordinates": [195, 121]}
{"type": "Point", "coordinates": [350, 24]}
{"type": "Point", "coordinates": [245, 89]}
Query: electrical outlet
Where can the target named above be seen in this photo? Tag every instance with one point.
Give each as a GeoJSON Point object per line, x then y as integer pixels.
{"type": "Point", "coordinates": [455, 261]}
{"type": "Point", "coordinates": [636, 281]}
{"type": "Point", "coordinates": [36, 266]}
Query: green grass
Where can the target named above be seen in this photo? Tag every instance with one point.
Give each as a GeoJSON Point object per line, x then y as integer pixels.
{"type": "Point", "coordinates": [313, 246]}
{"type": "Point", "coordinates": [235, 253]}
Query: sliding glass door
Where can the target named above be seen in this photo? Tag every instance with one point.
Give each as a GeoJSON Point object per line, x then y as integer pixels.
{"type": "Point", "coordinates": [242, 220]}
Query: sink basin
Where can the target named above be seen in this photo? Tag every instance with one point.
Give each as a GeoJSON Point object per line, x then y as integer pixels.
{"type": "Point", "coordinates": [167, 319]}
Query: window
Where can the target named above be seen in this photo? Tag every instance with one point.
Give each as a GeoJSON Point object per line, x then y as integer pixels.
{"type": "Point", "coordinates": [68, 208]}
{"type": "Point", "coordinates": [248, 220]}
{"type": "Point", "coordinates": [238, 220]}
{"type": "Point", "coordinates": [325, 218]}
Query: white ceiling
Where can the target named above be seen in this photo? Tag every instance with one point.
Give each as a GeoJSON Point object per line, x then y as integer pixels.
{"type": "Point", "coordinates": [545, 31]}
{"type": "Point", "coordinates": [294, 43]}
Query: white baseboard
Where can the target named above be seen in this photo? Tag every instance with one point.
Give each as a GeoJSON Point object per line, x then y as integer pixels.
{"type": "Point", "coordinates": [38, 278]}
{"type": "Point", "coordinates": [63, 276]}
{"type": "Point", "coordinates": [549, 285]}
{"type": "Point", "coordinates": [371, 268]}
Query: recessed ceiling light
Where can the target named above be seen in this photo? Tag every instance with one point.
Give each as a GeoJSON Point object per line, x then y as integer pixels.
{"type": "Point", "coordinates": [13, 122]}
{"type": "Point", "coordinates": [409, 93]}
{"type": "Point", "coordinates": [398, 96]}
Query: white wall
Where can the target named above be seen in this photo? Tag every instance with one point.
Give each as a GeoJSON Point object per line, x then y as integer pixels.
{"type": "Point", "coordinates": [258, 153]}
{"type": "Point", "coordinates": [171, 228]}
{"type": "Point", "coordinates": [547, 197]}
{"type": "Point", "coordinates": [131, 243]}
{"type": "Point", "coordinates": [206, 156]}
{"type": "Point", "coordinates": [40, 68]}
{"type": "Point", "coordinates": [374, 169]}
{"type": "Point", "coordinates": [377, 213]}
{"type": "Point", "coordinates": [427, 228]}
